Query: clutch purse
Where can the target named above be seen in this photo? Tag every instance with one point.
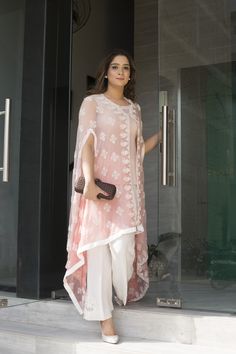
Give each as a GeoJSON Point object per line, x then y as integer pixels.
{"type": "Point", "coordinates": [109, 188]}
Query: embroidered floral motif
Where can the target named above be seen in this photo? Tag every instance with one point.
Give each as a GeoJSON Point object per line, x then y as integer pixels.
{"type": "Point", "coordinates": [107, 207]}
{"type": "Point", "coordinates": [113, 139]}
{"type": "Point", "coordinates": [99, 109]}
{"type": "Point", "coordinates": [79, 291]}
{"type": "Point", "coordinates": [124, 152]}
{"type": "Point", "coordinates": [115, 174]}
{"type": "Point", "coordinates": [102, 136]}
{"type": "Point", "coordinates": [92, 124]}
{"type": "Point", "coordinates": [119, 211]}
{"type": "Point", "coordinates": [89, 305]}
{"type": "Point", "coordinates": [114, 157]}
{"type": "Point", "coordinates": [118, 193]}
{"type": "Point", "coordinates": [127, 187]}
{"type": "Point", "coordinates": [104, 171]}
{"type": "Point", "coordinates": [104, 153]}
{"type": "Point", "coordinates": [130, 205]}
{"type": "Point", "coordinates": [124, 143]}
{"type": "Point", "coordinates": [126, 178]}
{"type": "Point", "coordinates": [125, 161]}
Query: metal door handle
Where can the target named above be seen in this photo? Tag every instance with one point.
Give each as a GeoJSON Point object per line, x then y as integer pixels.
{"type": "Point", "coordinates": [171, 149]}
{"type": "Point", "coordinates": [164, 145]}
{"type": "Point", "coordinates": [6, 114]}
{"type": "Point", "coordinates": [168, 172]}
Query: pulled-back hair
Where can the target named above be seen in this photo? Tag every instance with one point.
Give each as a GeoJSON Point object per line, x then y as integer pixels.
{"type": "Point", "coordinates": [102, 82]}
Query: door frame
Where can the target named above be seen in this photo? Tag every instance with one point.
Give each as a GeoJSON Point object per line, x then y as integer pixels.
{"type": "Point", "coordinates": [44, 148]}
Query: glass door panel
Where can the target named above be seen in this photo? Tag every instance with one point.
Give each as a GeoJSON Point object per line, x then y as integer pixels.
{"type": "Point", "coordinates": [11, 63]}
{"type": "Point", "coordinates": [197, 201]}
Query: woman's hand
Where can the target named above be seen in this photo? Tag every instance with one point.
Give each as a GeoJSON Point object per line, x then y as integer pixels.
{"type": "Point", "coordinates": [91, 191]}
{"type": "Point", "coordinates": [153, 141]}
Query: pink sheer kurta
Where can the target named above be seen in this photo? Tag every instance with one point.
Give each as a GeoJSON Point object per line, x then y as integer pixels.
{"type": "Point", "coordinates": [119, 152]}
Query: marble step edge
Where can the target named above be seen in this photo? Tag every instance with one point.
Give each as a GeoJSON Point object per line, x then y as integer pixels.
{"type": "Point", "coordinates": [34, 339]}
{"type": "Point", "coordinates": [66, 307]}
{"type": "Point", "coordinates": [166, 325]}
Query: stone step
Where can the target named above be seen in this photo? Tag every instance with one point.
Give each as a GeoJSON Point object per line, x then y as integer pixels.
{"type": "Point", "coordinates": [136, 321]}
{"type": "Point", "coordinates": [22, 338]}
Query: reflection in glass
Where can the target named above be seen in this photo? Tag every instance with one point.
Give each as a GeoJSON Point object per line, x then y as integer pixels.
{"type": "Point", "coordinates": [11, 69]}
{"type": "Point", "coordinates": [197, 44]}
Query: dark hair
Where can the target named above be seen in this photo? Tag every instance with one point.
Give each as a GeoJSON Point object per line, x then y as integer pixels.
{"type": "Point", "coordinates": [102, 82]}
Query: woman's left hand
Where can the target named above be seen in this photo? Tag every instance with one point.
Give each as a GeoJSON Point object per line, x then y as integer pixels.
{"type": "Point", "coordinates": [153, 141]}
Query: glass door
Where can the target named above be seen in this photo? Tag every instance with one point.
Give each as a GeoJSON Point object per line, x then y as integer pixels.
{"type": "Point", "coordinates": [197, 189]}
{"type": "Point", "coordinates": [11, 63]}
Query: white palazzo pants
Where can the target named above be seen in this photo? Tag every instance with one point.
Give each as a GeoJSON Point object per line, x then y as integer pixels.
{"type": "Point", "coordinates": [107, 265]}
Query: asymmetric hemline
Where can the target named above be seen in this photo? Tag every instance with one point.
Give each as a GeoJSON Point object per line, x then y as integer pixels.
{"type": "Point", "coordinates": [118, 159]}
{"type": "Point", "coordinates": [137, 230]}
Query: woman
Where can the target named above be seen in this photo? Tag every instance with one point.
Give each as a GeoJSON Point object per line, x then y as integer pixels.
{"type": "Point", "coordinates": [107, 243]}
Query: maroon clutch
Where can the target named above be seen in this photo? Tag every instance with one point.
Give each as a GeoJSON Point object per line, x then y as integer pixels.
{"type": "Point", "coordinates": [109, 188]}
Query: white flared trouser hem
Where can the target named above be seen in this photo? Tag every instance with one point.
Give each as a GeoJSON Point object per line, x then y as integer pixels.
{"type": "Point", "coordinates": [108, 265]}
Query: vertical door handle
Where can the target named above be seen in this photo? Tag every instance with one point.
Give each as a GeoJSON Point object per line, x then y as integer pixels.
{"type": "Point", "coordinates": [164, 145]}
{"type": "Point", "coordinates": [171, 148]}
{"type": "Point", "coordinates": [6, 115]}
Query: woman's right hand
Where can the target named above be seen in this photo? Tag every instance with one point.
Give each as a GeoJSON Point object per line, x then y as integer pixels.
{"type": "Point", "coordinates": [91, 190]}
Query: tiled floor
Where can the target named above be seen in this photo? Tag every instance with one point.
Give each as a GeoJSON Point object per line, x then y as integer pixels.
{"type": "Point", "coordinates": [13, 300]}
{"type": "Point", "coordinates": [196, 296]}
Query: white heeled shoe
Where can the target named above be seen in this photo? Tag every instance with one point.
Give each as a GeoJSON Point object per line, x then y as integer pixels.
{"type": "Point", "coordinates": [110, 339]}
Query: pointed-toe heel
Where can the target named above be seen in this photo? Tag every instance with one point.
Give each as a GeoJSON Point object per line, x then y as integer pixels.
{"type": "Point", "coordinates": [110, 339]}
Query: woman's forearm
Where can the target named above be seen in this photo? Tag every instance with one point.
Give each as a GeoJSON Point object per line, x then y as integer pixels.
{"type": "Point", "coordinates": [153, 141]}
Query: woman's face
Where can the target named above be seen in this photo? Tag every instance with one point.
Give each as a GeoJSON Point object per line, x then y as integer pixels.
{"type": "Point", "coordinates": [119, 71]}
